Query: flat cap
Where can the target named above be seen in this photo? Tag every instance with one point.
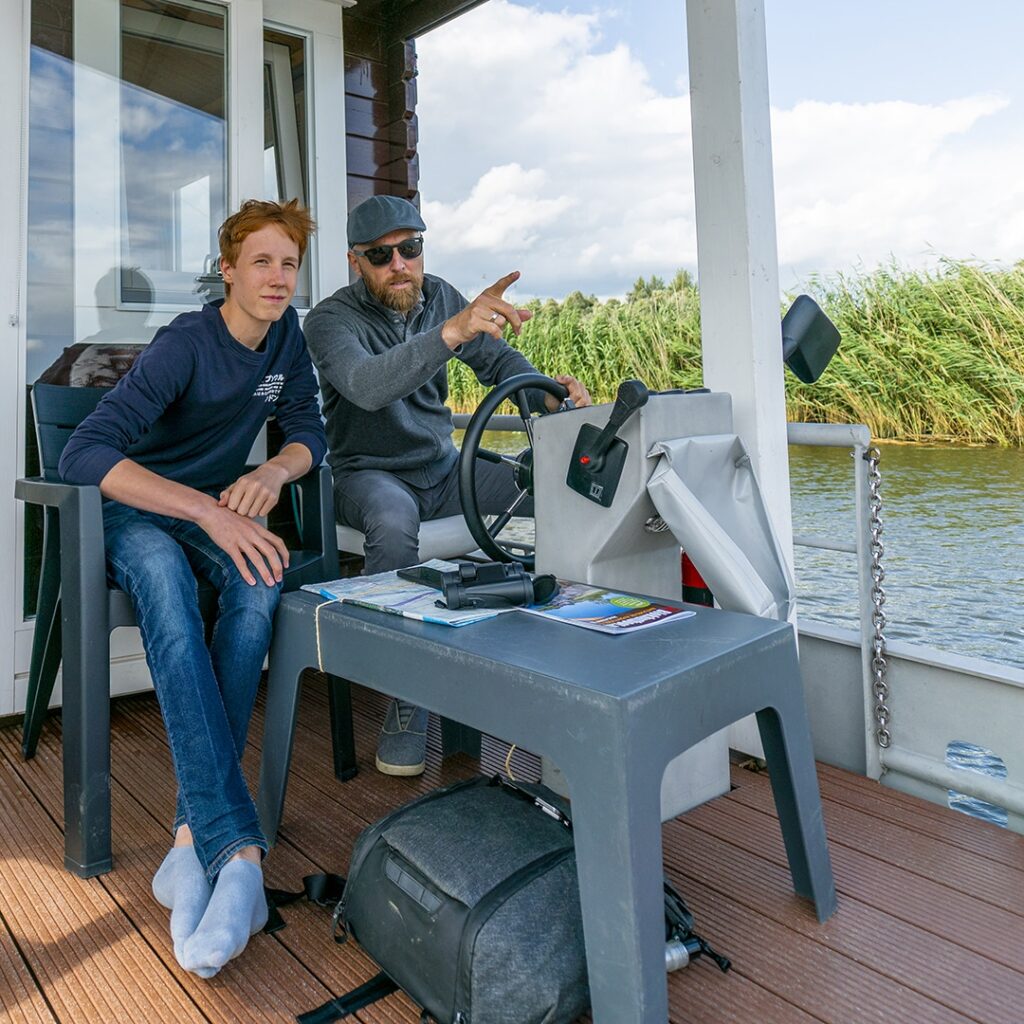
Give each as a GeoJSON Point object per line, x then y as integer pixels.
{"type": "Point", "coordinates": [380, 215]}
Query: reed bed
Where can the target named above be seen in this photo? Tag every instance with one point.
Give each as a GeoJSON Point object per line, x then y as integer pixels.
{"type": "Point", "coordinates": [925, 356]}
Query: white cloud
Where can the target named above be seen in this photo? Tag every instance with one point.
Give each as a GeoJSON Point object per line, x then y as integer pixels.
{"type": "Point", "coordinates": [544, 146]}
{"type": "Point", "coordinates": [861, 182]}
{"type": "Point", "coordinates": [506, 211]}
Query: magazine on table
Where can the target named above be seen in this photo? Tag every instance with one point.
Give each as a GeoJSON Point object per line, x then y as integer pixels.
{"type": "Point", "coordinates": [387, 592]}
{"type": "Point", "coordinates": [607, 611]}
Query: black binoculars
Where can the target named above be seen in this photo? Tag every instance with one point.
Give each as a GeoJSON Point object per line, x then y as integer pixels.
{"type": "Point", "coordinates": [494, 585]}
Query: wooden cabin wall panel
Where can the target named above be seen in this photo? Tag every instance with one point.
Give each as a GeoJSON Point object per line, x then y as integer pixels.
{"type": "Point", "coordinates": [405, 173]}
{"type": "Point", "coordinates": [364, 33]}
{"type": "Point", "coordinates": [377, 181]}
{"type": "Point", "coordinates": [378, 158]}
{"type": "Point", "coordinates": [401, 98]}
{"type": "Point", "coordinates": [366, 78]}
{"type": "Point", "coordinates": [364, 116]}
{"type": "Point", "coordinates": [366, 156]}
{"type": "Point", "coordinates": [360, 188]}
{"type": "Point", "coordinates": [369, 119]}
{"type": "Point", "coordinates": [380, 105]}
{"type": "Point", "coordinates": [400, 58]}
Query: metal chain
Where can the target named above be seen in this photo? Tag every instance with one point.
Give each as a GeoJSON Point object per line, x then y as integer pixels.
{"type": "Point", "coordinates": [878, 661]}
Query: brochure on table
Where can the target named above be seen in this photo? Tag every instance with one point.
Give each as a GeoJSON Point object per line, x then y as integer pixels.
{"type": "Point", "coordinates": [577, 604]}
{"type": "Point", "coordinates": [387, 593]}
{"type": "Point", "coordinates": [607, 611]}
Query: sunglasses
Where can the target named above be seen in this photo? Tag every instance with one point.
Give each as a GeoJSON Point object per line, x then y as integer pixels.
{"type": "Point", "coordinates": [380, 255]}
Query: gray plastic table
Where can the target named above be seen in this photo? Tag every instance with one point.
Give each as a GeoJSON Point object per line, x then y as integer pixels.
{"type": "Point", "coordinates": [611, 712]}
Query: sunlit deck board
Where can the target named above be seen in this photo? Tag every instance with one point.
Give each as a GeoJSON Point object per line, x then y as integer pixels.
{"type": "Point", "coordinates": [930, 925]}
{"type": "Point", "coordinates": [22, 1001]}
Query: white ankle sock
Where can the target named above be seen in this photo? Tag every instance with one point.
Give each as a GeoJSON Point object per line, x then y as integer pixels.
{"type": "Point", "coordinates": [237, 910]}
{"type": "Point", "coordinates": [180, 885]}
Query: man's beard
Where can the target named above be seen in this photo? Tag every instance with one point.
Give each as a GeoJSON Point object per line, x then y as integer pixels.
{"type": "Point", "coordinates": [400, 301]}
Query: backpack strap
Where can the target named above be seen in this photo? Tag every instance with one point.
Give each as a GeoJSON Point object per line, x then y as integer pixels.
{"type": "Point", "coordinates": [679, 928]}
{"type": "Point", "coordinates": [376, 988]}
{"type": "Point", "coordinates": [324, 890]}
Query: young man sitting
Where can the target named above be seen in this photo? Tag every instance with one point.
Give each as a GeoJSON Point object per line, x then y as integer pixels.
{"type": "Point", "coordinates": [167, 448]}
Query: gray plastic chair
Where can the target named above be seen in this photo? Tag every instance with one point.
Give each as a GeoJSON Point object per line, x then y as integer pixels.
{"type": "Point", "coordinates": [77, 610]}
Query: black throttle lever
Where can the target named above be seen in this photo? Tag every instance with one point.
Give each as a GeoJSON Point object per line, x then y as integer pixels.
{"type": "Point", "coordinates": [632, 395]}
{"type": "Point", "coordinates": [599, 455]}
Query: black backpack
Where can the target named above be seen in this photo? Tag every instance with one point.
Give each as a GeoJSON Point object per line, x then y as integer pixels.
{"type": "Point", "coordinates": [468, 900]}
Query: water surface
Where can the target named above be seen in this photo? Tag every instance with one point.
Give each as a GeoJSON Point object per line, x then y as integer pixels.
{"type": "Point", "coordinates": [953, 529]}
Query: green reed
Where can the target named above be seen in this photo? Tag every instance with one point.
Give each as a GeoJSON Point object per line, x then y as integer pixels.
{"type": "Point", "coordinates": [925, 355]}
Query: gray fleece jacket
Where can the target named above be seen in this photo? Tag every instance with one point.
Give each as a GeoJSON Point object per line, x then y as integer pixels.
{"type": "Point", "coordinates": [384, 379]}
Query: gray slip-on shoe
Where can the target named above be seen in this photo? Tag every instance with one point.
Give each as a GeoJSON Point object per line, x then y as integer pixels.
{"type": "Point", "coordinates": [402, 745]}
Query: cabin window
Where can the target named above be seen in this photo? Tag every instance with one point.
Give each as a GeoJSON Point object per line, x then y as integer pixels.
{"type": "Point", "coordinates": [285, 174]}
{"type": "Point", "coordinates": [173, 148]}
{"type": "Point", "coordinates": [127, 185]}
{"type": "Point", "coordinates": [127, 172]}
{"type": "Point", "coordinates": [140, 126]}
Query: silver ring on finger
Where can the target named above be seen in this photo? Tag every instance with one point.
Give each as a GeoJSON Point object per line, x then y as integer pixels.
{"type": "Point", "coordinates": [494, 316]}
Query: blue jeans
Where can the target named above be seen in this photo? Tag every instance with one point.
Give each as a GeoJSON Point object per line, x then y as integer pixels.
{"type": "Point", "coordinates": [206, 694]}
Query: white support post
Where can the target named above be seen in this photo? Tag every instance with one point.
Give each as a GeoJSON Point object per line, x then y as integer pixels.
{"type": "Point", "coordinates": [737, 258]}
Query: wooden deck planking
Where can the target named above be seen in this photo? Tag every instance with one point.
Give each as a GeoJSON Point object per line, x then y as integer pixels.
{"type": "Point", "coordinates": [928, 905]}
{"type": "Point", "coordinates": [923, 932]}
{"type": "Point", "coordinates": [72, 934]}
{"type": "Point", "coordinates": [20, 1000]}
{"type": "Point", "coordinates": [916, 852]}
{"type": "Point", "coordinates": [981, 838]}
{"type": "Point", "coordinates": [931, 964]}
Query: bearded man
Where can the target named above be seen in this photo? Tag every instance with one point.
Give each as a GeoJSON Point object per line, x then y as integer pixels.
{"type": "Point", "coordinates": [381, 346]}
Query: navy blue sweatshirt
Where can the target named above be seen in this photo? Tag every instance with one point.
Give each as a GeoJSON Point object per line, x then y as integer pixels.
{"type": "Point", "coordinates": [193, 403]}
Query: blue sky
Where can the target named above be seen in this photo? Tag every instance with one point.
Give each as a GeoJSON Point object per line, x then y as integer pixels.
{"type": "Point", "coordinates": [555, 139]}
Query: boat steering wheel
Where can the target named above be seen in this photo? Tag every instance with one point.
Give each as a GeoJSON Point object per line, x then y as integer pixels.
{"type": "Point", "coordinates": [522, 464]}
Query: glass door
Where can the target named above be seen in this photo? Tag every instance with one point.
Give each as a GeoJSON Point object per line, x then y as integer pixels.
{"type": "Point", "coordinates": [144, 124]}
{"type": "Point", "coordinates": [148, 122]}
{"type": "Point", "coordinates": [127, 184]}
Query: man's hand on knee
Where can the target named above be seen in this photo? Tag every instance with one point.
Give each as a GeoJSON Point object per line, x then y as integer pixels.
{"type": "Point", "coordinates": [245, 541]}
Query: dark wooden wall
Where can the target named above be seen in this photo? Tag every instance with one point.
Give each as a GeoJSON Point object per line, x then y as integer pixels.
{"type": "Point", "coordinates": [380, 107]}
{"type": "Point", "coordinates": [380, 91]}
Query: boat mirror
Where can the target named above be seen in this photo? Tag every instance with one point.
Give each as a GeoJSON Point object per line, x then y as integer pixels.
{"type": "Point", "coordinates": [809, 339]}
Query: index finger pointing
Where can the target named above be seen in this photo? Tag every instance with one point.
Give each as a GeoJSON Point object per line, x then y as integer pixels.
{"type": "Point", "coordinates": [498, 288]}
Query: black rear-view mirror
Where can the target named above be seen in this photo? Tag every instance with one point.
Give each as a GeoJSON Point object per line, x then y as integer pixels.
{"type": "Point", "coordinates": [809, 339]}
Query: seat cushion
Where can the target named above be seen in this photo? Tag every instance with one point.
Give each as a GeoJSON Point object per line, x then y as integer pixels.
{"type": "Point", "coordinates": [439, 538]}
